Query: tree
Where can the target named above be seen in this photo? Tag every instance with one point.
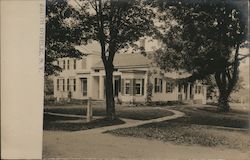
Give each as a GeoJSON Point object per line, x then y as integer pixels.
{"type": "Point", "coordinates": [61, 34]}
{"type": "Point", "coordinates": [115, 24]}
{"type": "Point", "coordinates": [205, 40]}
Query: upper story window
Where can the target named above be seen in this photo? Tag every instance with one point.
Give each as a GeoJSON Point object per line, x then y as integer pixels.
{"type": "Point", "coordinates": [169, 87]}
{"type": "Point", "coordinates": [74, 63]}
{"type": "Point", "coordinates": [158, 85]}
{"type": "Point", "coordinates": [68, 64]}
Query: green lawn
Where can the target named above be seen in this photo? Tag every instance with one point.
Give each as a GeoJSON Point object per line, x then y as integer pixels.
{"type": "Point", "coordinates": [136, 113]}
{"type": "Point", "coordinates": [201, 126]}
{"type": "Point", "coordinates": [52, 122]}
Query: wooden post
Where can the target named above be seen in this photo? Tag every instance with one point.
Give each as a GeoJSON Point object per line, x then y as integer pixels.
{"type": "Point", "coordinates": [89, 111]}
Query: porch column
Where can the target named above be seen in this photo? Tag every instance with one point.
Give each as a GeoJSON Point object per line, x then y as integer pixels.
{"type": "Point", "coordinates": [188, 91]}
{"type": "Point", "coordinates": [176, 91]}
{"type": "Point", "coordinates": [101, 87]}
{"type": "Point", "coordinates": [182, 92]}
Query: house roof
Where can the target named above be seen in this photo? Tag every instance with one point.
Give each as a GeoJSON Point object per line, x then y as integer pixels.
{"type": "Point", "coordinates": [125, 60]}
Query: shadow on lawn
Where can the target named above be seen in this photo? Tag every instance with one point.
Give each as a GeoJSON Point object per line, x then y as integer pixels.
{"type": "Point", "coordinates": [201, 126]}
{"type": "Point", "coordinates": [60, 123]}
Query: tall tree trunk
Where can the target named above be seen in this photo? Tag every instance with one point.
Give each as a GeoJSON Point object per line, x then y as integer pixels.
{"type": "Point", "coordinates": [110, 103]}
{"type": "Point", "coordinates": [223, 105]}
{"type": "Point", "coordinates": [226, 81]}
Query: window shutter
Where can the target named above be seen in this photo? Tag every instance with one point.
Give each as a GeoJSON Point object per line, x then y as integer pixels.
{"type": "Point", "coordinates": [58, 85]}
{"type": "Point", "coordinates": [142, 87]}
{"type": "Point", "coordinates": [122, 88]}
{"type": "Point", "coordinates": [161, 85]}
{"type": "Point", "coordinates": [67, 84]}
{"type": "Point", "coordinates": [134, 88]}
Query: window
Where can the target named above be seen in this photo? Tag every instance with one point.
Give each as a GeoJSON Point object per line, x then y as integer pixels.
{"type": "Point", "coordinates": [97, 70]}
{"type": "Point", "coordinates": [84, 87]}
{"type": "Point", "coordinates": [127, 87]}
{"type": "Point", "coordinates": [68, 64]}
{"type": "Point", "coordinates": [132, 86]}
{"type": "Point", "coordinates": [198, 89]}
{"type": "Point", "coordinates": [138, 86]}
{"type": "Point", "coordinates": [58, 85]}
{"type": "Point", "coordinates": [169, 87]}
{"type": "Point", "coordinates": [61, 85]}
{"type": "Point", "coordinates": [158, 85]}
{"type": "Point", "coordinates": [74, 63]}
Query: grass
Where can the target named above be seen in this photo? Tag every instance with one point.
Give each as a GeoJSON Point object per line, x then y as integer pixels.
{"type": "Point", "coordinates": [136, 113]}
{"type": "Point", "coordinates": [201, 126]}
{"type": "Point", "coordinates": [52, 122]}
{"type": "Point", "coordinates": [59, 123]}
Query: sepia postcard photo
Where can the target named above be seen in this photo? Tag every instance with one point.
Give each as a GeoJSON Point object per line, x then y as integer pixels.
{"type": "Point", "coordinates": [125, 79]}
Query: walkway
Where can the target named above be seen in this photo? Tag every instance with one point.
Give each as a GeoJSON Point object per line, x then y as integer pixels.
{"type": "Point", "coordinates": [134, 123]}
{"type": "Point", "coordinates": [94, 143]}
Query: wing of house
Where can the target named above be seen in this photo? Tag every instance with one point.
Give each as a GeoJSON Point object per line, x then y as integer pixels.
{"type": "Point", "coordinates": [136, 78]}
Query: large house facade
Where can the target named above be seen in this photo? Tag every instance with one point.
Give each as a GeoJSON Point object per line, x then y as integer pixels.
{"type": "Point", "coordinates": [134, 78]}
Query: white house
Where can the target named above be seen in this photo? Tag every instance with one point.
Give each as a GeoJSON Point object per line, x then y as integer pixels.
{"type": "Point", "coordinates": [83, 78]}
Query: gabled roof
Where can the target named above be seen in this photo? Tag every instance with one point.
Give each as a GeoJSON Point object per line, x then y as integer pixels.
{"type": "Point", "coordinates": [125, 60]}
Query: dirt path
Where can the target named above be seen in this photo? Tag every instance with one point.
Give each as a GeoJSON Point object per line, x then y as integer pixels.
{"type": "Point", "coordinates": [95, 144]}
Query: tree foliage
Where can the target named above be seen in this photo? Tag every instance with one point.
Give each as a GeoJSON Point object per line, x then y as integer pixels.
{"type": "Point", "coordinates": [205, 40]}
{"type": "Point", "coordinates": [64, 30]}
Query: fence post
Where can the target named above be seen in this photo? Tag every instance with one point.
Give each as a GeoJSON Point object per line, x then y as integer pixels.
{"type": "Point", "coordinates": [89, 110]}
